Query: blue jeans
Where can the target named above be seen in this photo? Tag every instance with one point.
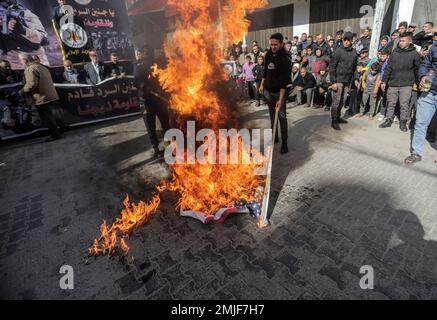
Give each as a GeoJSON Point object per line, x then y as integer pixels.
{"type": "Point", "coordinates": [426, 108]}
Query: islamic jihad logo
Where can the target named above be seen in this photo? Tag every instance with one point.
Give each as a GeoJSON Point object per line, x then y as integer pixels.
{"type": "Point", "coordinates": [73, 35]}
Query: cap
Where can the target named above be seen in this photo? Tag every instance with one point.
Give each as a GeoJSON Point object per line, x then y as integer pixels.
{"type": "Point", "coordinates": [348, 35]}
{"type": "Point", "coordinates": [323, 67]}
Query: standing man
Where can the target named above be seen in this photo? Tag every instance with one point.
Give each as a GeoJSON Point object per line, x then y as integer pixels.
{"type": "Point", "coordinates": [342, 70]}
{"type": "Point", "coordinates": [274, 85]}
{"type": "Point", "coordinates": [155, 98]}
{"type": "Point", "coordinates": [40, 92]}
{"type": "Point", "coordinates": [364, 42]}
{"type": "Point", "coordinates": [427, 104]}
{"type": "Point", "coordinates": [425, 36]}
{"type": "Point", "coordinates": [399, 77]}
{"type": "Point", "coordinates": [96, 71]}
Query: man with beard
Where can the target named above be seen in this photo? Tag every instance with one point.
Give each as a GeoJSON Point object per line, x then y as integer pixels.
{"type": "Point", "coordinates": [274, 85]}
{"type": "Point", "coordinates": [21, 31]}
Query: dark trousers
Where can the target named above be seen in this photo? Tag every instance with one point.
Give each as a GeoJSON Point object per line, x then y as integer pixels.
{"type": "Point", "coordinates": [368, 97]}
{"type": "Point", "coordinates": [403, 96]}
{"type": "Point", "coordinates": [258, 94]}
{"type": "Point", "coordinates": [339, 99]}
{"type": "Point", "coordinates": [252, 89]}
{"type": "Point", "coordinates": [155, 108]}
{"type": "Point", "coordinates": [272, 99]}
{"type": "Point", "coordinates": [48, 119]}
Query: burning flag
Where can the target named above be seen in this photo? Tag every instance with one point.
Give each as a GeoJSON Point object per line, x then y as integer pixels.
{"type": "Point", "coordinates": [195, 80]}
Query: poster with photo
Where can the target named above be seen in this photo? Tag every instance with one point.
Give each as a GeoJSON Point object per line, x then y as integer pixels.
{"type": "Point", "coordinates": [33, 27]}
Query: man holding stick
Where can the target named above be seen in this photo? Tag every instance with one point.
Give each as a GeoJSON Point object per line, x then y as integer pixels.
{"type": "Point", "coordinates": [274, 85]}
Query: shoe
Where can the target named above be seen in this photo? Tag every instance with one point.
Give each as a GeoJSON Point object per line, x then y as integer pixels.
{"type": "Point", "coordinates": [431, 137]}
{"type": "Point", "coordinates": [327, 108]}
{"type": "Point", "coordinates": [335, 125]}
{"type": "Point", "coordinates": [294, 105]}
{"type": "Point", "coordinates": [380, 118]}
{"type": "Point", "coordinates": [386, 124]}
{"type": "Point", "coordinates": [342, 121]}
{"type": "Point", "coordinates": [371, 118]}
{"type": "Point", "coordinates": [396, 120]}
{"type": "Point", "coordinates": [403, 126]}
{"type": "Point", "coordinates": [157, 153]}
{"type": "Point", "coordinates": [284, 148]}
{"type": "Point", "coordinates": [258, 104]}
{"type": "Point", "coordinates": [51, 139]}
{"type": "Point", "coordinates": [306, 105]}
{"type": "Point", "coordinates": [412, 159]}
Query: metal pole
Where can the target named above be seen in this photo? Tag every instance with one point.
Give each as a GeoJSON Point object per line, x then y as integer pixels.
{"type": "Point", "coordinates": [263, 222]}
{"type": "Point", "coordinates": [377, 27]}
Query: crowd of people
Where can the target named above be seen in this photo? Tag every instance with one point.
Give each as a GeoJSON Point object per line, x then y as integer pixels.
{"type": "Point", "coordinates": [333, 72]}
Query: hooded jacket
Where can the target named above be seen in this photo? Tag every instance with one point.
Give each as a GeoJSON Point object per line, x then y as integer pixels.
{"type": "Point", "coordinates": [343, 65]}
{"type": "Point", "coordinates": [430, 63]}
{"type": "Point", "coordinates": [277, 71]}
{"type": "Point", "coordinates": [402, 68]}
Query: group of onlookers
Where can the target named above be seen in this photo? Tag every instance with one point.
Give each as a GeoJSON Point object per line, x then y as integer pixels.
{"type": "Point", "coordinates": [333, 72]}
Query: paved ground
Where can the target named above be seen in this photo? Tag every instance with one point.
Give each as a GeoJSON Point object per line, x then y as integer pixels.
{"type": "Point", "coordinates": [340, 201]}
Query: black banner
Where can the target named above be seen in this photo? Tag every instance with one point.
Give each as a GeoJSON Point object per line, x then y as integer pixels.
{"type": "Point", "coordinates": [79, 104]}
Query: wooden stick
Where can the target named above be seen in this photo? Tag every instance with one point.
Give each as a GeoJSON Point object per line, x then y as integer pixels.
{"type": "Point", "coordinates": [263, 221]}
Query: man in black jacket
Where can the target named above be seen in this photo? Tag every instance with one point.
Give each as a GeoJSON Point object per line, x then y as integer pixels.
{"type": "Point", "coordinates": [322, 45]}
{"type": "Point", "coordinates": [342, 69]}
{"type": "Point", "coordinates": [424, 37]}
{"type": "Point", "coordinates": [155, 98]}
{"type": "Point", "coordinates": [399, 77]}
{"type": "Point", "coordinates": [307, 87]}
{"type": "Point", "coordinates": [274, 85]}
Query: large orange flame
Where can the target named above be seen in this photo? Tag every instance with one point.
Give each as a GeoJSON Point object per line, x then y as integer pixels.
{"type": "Point", "coordinates": [194, 78]}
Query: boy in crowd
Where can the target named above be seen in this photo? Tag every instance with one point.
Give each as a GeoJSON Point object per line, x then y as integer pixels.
{"type": "Point", "coordinates": [249, 77]}
{"type": "Point", "coordinates": [323, 84]}
{"type": "Point", "coordinates": [370, 82]}
{"type": "Point", "coordinates": [258, 71]}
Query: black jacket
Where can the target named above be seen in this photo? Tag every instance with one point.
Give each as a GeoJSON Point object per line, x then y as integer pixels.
{"type": "Point", "coordinates": [422, 39]}
{"type": "Point", "coordinates": [343, 65]}
{"type": "Point", "coordinates": [308, 81]}
{"type": "Point", "coordinates": [326, 50]}
{"type": "Point", "coordinates": [277, 71]}
{"type": "Point", "coordinates": [258, 72]}
{"type": "Point", "coordinates": [402, 68]}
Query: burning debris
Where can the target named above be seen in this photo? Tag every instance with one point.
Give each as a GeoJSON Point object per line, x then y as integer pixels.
{"type": "Point", "coordinates": [209, 192]}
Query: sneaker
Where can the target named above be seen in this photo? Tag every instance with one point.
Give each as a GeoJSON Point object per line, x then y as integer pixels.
{"type": "Point", "coordinates": [403, 126]}
{"type": "Point", "coordinates": [396, 120]}
{"type": "Point", "coordinates": [412, 159]}
{"type": "Point", "coordinates": [327, 108]}
{"type": "Point", "coordinates": [335, 125]}
{"type": "Point", "coordinates": [284, 148]}
{"type": "Point", "coordinates": [380, 118]}
{"type": "Point", "coordinates": [371, 118]}
{"type": "Point", "coordinates": [386, 124]}
{"type": "Point", "coordinates": [157, 153]}
{"type": "Point", "coordinates": [342, 121]}
{"type": "Point", "coordinates": [306, 105]}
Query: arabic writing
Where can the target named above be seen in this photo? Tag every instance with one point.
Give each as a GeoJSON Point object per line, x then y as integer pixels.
{"type": "Point", "coordinates": [125, 88]}
{"type": "Point", "coordinates": [109, 107]}
{"type": "Point", "coordinates": [96, 12]}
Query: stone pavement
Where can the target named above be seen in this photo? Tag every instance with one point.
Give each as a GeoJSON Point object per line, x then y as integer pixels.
{"type": "Point", "coordinates": [339, 201]}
